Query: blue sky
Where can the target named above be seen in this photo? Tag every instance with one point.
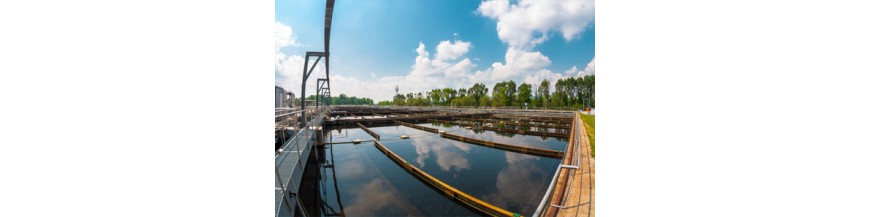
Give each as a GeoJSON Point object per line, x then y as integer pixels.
{"type": "Point", "coordinates": [421, 45]}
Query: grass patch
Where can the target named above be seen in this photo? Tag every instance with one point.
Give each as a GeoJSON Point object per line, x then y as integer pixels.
{"type": "Point", "coordinates": [589, 123]}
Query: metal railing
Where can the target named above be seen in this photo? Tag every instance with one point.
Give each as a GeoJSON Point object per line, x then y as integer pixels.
{"type": "Point", "coordinates": [573, 165]}
{"type": "Point", "coordinates": [289, 162]}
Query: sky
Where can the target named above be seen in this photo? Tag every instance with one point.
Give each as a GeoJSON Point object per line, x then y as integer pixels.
{"type": "Point", "coordinates": [418, 46]}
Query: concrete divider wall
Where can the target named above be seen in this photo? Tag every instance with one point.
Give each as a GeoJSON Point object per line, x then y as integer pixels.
{"type": "Point", "coordinates": [418, 127]}
{"type": "Point", "coordinates": [507, 147]}
{"type": "Point", "coordinates": [364, 128]}
{"type": "Point", "coordinates": [502, 146]}
{"type": "Point", "coordinates": [503, 130]}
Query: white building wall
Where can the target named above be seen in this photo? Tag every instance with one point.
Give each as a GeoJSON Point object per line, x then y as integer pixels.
{"type": "Point", "coordinates": [279, 97]}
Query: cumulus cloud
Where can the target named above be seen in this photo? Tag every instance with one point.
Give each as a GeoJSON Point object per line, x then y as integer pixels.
{"type": "Point", "coordinates": [443, 67]}
{"type": "Point", "coordinates": [288, 72]}
{"type": "Point", "coordinates": [288, 68]}
{"type": "Point", "coordinates": [284, 36]}
{"type": "Point", "coordinates": [521, 66]}
{"type": "Point", "coordinates": [446, 69]}
{"type": "Point", "coordinates": [451, 50]}
{"type": "Point", "coordinates": [527, 23]}
{"type": "Point", "coordinates": [519, 62]}
{"type": "Point", "coordinates": [572, 71]}
{"type": "Point", "coordinates": [536, 78]}
{"type": "Point", "coordinates": [590, 68]}
{"type": "Point", "coordinates": [448, 66]}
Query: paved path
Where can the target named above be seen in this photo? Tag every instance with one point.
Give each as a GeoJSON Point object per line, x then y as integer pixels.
{"type": "Point", "coordinates": [580, 189]}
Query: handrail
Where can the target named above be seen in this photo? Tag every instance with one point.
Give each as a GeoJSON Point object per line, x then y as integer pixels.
{"type": "Point", "coordinates": [573, 164]}
{"type": "Point", "coordinates": [283, 152]}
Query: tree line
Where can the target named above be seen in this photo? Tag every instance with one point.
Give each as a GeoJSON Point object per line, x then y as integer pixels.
{"type": "Point", "coordinates": [343, 99]}
{"type": "Point", "coordinates": [569, 92]}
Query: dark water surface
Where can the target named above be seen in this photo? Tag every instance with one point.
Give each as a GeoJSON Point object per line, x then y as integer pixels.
{"type": "Point", "coordinates": [508, 138]}
{"type": "Point", "coordinates": [370, 184]}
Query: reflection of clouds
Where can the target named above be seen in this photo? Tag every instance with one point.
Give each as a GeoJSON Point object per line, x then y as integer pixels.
{"type": "Point", "coordinates": [349, 170]}
{"type": "Point", "coordinates": [448, 159]}
{"type": "Point", "coordinates": [513, 157]}
{"type": "Point", "coordinates": [462, 146]}
{"type": "Point", "coordinates": [371, 198]}
{"type": "Point", "coordinates": [422, 153]}
{"type": "Point", "coordinates": [347, 153]}
{"type": "Point", "coordinates": [445, 154]}
{"type": "Point", "coordinates": [518, 184]}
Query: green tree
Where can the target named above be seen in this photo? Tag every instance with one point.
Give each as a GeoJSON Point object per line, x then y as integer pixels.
{"type": "Point", "coordinates": [399, 99]}
{"type": "Point", "coordinates": [524, 94]}
{"type": "Point", "coordinates": [562, 95]}
{"type": "Point", "coordinates": [343, 99]}
{"type": "Point", "coordinates": [464, 101]}
{"type": "Point", "coordinates": [484, 101]}
{"type": "Point", "coordinates": [477, 91]}
{"type": "Point", "coordinates": [543, 93]}
{"type": "Point", "coordinates": [449, 95]}
{"type": "Point", "coordinates": [590, 89]}
{"type": "Point", "coordinates": [503, 93]}
{"type": "Point", "coordinates": [436, 96]}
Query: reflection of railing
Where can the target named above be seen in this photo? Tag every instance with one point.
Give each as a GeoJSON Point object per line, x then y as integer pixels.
{"type": "Point", "coordinates": [289, 162]}
{"type": "Point", "coordinates": [329, 163]}
{"type": "Point", "coordinates": [569, 163]}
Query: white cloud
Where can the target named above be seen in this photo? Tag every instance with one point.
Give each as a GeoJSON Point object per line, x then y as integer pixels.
{"type": "Point", "coordinates": [450, 51]}
{"type": "Point", "coordinates": [426, 74]}
{"type": "Point", "coordinates": [442, 68]}
{"type": "Point", "coordinates": [520, 66]}
{"type": "Point", "coordinates": [446, 69]}
{"type": "Point", "coordinates": [523, 26]}
{"type": "Point", "coordinates": [590, 68]}
{"type": "Point", "coordinates": [536, 78]}
{"type": "Point", "coordinates": [288, 68]}
{"type": "Point", "coordinates": [288, 73]}
{"type": "Point", "coordinates": [518, 24]}
{"type": "Point", "coordinates": [519, 62]}
{"type": "Point", "coordinates": [459, 70]}
{"type": "Point", "coordinates": [573, 71]}
{"type": "Point", "coordinates": [284, 36]}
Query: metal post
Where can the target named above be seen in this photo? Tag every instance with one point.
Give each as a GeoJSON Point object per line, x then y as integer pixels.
{"type": "Point", "coordinates": [304, 78]}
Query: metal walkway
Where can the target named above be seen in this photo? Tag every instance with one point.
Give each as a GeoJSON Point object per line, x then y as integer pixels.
{"type": "Point", "coordinates": [290, 162]}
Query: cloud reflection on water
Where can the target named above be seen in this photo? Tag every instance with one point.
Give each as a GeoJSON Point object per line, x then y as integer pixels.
{"type": "Point", "coordinates": [517, 183]}
{"type": "Point", "coordinates": [378, 198]}
{"type": "Point", "coordinates": [446, 154]}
